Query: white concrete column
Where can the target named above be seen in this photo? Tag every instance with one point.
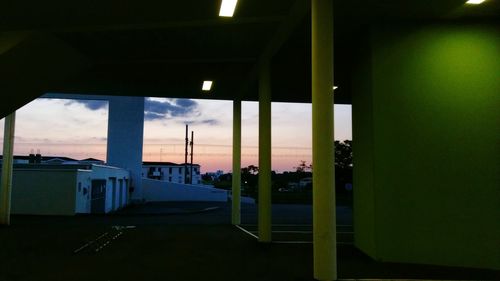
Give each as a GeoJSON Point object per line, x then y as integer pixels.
{"type": "Point", "coordinates": [7, 167]}
{"type": "Point", "coordinates": [125, 138]}
{"type": "Point", "coordinates": [324, 225]}
{"type": "Point", "coordinates": [236, 186]}
{"type": "Point", "coordinates": [264, 204]}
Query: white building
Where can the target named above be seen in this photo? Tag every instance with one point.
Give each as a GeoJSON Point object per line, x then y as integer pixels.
{"type": "Point", "coordinates": [171, 172]}
{"type": "Point", "coordinates": [68, 189]}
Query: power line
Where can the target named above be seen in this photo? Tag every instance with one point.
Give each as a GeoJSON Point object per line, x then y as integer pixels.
{"type": "Point", "coordinates": [162, 144]}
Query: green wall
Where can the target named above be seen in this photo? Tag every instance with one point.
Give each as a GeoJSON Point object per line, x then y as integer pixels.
{"type": "Point", "coordinates": [362, 117]}
{"type": "Point", "coordinates": [426, 124]}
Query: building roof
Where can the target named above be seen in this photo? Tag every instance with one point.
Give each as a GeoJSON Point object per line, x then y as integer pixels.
{"type": "Point", "coordinates": [91, 160]}
{"type": "Point", "coordinates": [44, 158]}
{"type": "Point", "coordinates": [72, 166]}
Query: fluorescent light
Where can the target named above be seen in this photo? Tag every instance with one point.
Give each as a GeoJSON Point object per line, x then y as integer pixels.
{"type": "Point", "coordinates": [475, 2]}
{"type": "Point", "coordinates": [207, 86]}
{"type": "Point", "coordinates": [227, 8]}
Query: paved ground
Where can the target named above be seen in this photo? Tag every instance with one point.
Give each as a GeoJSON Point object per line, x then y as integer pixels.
{"type": "Point", "coordinates": [182, 241]}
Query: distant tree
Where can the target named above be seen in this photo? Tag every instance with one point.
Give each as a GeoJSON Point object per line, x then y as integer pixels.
{"type": "Point", "coordinates": [225, 177]}
{"type": "Point", "coordinates": [250, 170]}
{"type": "Point", "coordinates": [253, 169]}
{"type": "Point", "coordinates": [245, 171]}
{"type": "Point", "coordinates": [343, 154]}
{"type": "Point", "coordinates": [223, 182]}
{"type": "Point", "coordinates": [343, 158]}
{"type": "Point", "coordinates": [249, 180]}
{"type": "Point", "coordinates": [343, 164]}
{"type": "Point", "coordinates": [207, 177]}
{"type": "Point", "coordinates": [303, 167]}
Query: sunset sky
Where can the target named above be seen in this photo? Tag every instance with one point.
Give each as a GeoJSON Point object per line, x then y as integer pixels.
{"type": "Point", "coordinates": [78, 129]}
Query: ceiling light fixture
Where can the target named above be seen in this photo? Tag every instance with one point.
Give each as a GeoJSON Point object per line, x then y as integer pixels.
{"type": "Point", "coordinates": [227, 8]}
{"type": "Point", "coordinates": [207, 86]}
{"type": "Point", "coordinates": [335, 88]}
{"type": "Point", "coordinates": [475, 2]}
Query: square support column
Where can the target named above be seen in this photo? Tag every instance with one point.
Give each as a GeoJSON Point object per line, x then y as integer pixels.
{"type": "Point", "coordinates": [125, 139]}
{"type": "Point", "coordinates": [264, 204]}
{"type": "Point", "coordinates": [7, 167]}
{"type": "Point", "coordinates": [324, 224]}
{"type": "Point", "coordinates": [236, 186]}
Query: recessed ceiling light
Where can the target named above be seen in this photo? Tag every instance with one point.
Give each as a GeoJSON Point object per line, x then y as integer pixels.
{"type": "Point", "coordinates": [227, 8]}
{"type": "Point", "coordinates": [475, 2]}
{"type": "Point", "coordinates": [207, 86]}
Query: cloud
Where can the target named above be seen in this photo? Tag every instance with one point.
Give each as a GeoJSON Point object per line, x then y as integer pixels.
{"type": "Point", "coordinates": [151, 116]}
{"type": "Point", "coordinates": [210, 122]}
{"type": "Point", "coordinates": [102, 139]}
{"type": "Point", "coordinates": [90, 104]}
{"type": "Point", "coordinates": [160, 109]}
{"type": "Point", "coordinates": [169, 108]}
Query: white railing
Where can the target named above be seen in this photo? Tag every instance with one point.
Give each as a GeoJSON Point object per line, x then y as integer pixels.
{"type": "Point", "coordinates": [157, 191]}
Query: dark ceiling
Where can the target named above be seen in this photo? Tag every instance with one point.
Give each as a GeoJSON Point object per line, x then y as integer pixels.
{"type": "Point", "coordinates": [167, 48]}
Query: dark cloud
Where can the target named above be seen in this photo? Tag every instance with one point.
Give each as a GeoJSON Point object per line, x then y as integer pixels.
{"type": "Point", "coordinates": [154, 109]}
{"type": "Point", "coordinates": [210, 122]}
{"type": "Point", "coordinates": [185, 103]}
{"type": "Point", "coordinates": [91, 104]}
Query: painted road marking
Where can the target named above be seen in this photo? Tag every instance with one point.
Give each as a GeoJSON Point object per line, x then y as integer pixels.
{"type": "Point", "coordinates": [247, 232]}
{"type": "Point", "coordinates": [105, 239]}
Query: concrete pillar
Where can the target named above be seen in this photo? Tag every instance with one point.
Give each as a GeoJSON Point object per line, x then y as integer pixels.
{"type": "Point", "coordinates": [264, 198]}
{"type": "Point", "coordinates": [324, 231]}
{"type": "Point", "coordinates": [125, 139]}
{"type": "Point", "coordinates": [236, 186]}
{"type": "Point", "coordinates": [7, 167]}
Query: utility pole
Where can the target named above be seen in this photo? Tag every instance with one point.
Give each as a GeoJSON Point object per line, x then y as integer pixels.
{"type": "Point", "coordinates": [186, 156]}
{"type": "Point", "coordinates": [191, 143]}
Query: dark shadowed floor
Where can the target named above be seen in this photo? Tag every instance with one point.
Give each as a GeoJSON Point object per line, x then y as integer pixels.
{"type": "Point", "coordinates": [186, 241]}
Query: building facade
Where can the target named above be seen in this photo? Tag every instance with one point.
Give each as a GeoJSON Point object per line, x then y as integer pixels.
{"type": "Point", "coordinates": [172, 172]}
{"type": "Point", "coordinates": [68, 189]}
